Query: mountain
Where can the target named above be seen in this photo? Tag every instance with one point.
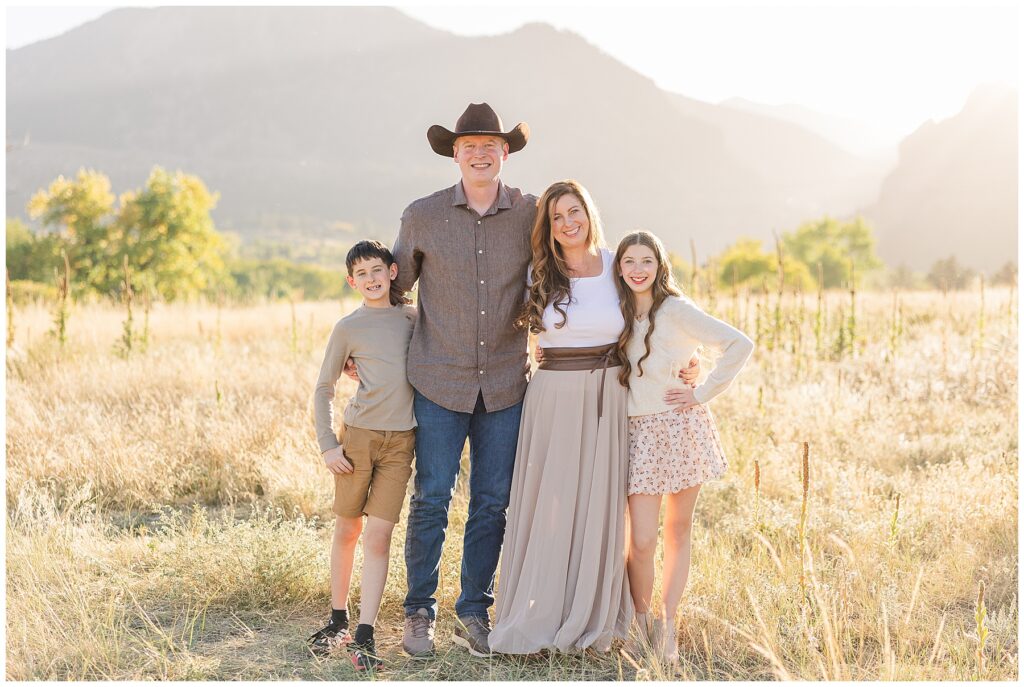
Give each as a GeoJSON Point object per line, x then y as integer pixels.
{"type": "Point", "coordinates": [857, 137]}
{"type": "Point", "coordinates": [803, 169]}
{"type": "Point", "coordinates": [311, 122]}
{"type": "Point", "coordinates": [954, 191]}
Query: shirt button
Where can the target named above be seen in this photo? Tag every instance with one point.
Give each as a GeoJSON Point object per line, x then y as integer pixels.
{"type": "Point", "coordinates": [483, 312]}
{"type": "Point", "coordinates": [481, 281]}
{"type": "Point", "coordinates": [481, 343]}
{"type": "Point", "coordinates": [481, 371]}
{"type": "Point", "coordinates": [479, 251]}
{"type": "Point", "coordinates": [478, 221]}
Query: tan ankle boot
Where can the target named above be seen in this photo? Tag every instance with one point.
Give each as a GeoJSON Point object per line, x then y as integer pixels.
{"type": "Point", "coordinates": [669, 649]}
{"type": "Point", "coordinates": [640, 641]}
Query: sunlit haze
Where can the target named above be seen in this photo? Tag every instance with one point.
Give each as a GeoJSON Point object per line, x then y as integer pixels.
{"type": "Point", "coordinates": [889, 68]}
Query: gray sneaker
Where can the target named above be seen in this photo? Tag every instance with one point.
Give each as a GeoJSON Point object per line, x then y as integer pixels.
{"type": "Point", "coordinates": [472, 632]}
{"type": "Point", "coordinates": [418, 637]}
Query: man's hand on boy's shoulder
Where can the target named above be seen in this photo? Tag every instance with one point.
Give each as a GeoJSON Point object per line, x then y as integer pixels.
{"type": "Point", "coordinates": [350, 370]}
{"type": "Point", "coordinates": [334, 459]}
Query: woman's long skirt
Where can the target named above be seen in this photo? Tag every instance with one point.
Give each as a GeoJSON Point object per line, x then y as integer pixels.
{"type": "Point", "coordinates": [562, 583]}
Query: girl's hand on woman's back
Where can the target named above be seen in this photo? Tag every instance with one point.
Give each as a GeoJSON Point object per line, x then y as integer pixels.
{"type": "Point", "coordinates": [681, 398]}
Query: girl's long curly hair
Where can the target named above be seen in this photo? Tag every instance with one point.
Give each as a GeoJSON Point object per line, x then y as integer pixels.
{"type": "Point", "coordinates": [550, 272]}
{"type": "Point", "coordinates": [663, 287]}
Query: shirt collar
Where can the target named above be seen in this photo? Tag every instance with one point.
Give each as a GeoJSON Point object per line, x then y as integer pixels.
{"type": "Point", "coordinates": [502, 202]}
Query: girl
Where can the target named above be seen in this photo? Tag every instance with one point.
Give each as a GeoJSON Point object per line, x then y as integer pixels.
{"type": "Point", "coordinates": [673, 442]}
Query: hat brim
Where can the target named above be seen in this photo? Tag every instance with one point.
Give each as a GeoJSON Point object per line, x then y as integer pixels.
{"type": "Point", "coordinates": [442, 141]}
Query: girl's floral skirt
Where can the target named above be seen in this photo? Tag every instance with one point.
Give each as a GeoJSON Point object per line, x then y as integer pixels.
{"type": "Point", "coordinates": [672, 451]}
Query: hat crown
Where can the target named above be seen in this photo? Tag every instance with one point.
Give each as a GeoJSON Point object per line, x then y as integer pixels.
{"type": "Point", "coordinates": [479, 117]}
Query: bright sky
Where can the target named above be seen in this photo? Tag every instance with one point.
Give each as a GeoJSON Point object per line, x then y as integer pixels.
{"type": "Point", "coordinates": [891, 67]}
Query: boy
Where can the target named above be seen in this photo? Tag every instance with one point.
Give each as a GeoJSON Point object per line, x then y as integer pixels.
{"type": "Point", "coordinates": [372, 463]}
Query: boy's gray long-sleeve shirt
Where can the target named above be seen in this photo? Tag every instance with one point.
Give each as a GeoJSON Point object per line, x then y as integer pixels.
{"type": "Point", "coordinates": [377, 340]}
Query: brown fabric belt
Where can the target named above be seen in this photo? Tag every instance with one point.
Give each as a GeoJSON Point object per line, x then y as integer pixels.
{"type": "Point", "coordinates": [583, 358]}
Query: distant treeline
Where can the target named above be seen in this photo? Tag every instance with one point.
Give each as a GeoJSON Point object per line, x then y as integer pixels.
{"type": "Point", "coordinates": [165, 234]}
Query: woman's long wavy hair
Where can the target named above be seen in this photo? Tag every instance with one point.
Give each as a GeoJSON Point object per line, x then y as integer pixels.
{"type": "Point", "coordinates": [550, 272]}
{"type": "Point", "coordinates": [663, 287]}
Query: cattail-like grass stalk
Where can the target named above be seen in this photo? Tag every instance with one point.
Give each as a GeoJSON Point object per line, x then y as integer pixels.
{"type": "Point", "coordinates": [693, 270]}
{"type": "Point", "coordinates": [147, 305]}
{"type": "Point", "coordinates": [757, 493]}
{"type": "Point", "coordinates": [1012, 299]}
{"type": "Point", "coordinates": [894, 523]}
{"type": "Point", "coordinates": [710, 292]}
{"type": "Point", "coordinates": [895, 326]}
{"type": "Point", "coordinates": [10, 312]}
{"type": "Point", "coordinates": [819, 317]}
{"type": "Point", "coordinates": [735, 297]}
{"type": "Point", "coordinates": [60, 316]}
{"type": "Point", "coordinates": [841, 343]}
{"type": "Point", "coordinates": [805, 482]}
{"type": "Point", "coordinates": [295, 327]}
{"type": "Point", "coordinates": [779, 286]}
{"type": "Point", "coordinates": [853, 310]}
{"type": "Point", "coordinates": [127, 332]}
{"type": "Point", "coordinates": [981, 315]}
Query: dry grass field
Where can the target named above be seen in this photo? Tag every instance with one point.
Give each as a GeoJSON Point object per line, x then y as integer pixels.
{"type": "Point", "coordinates": [166, 510]}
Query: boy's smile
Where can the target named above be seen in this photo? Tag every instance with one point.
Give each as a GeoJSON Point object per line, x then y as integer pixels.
{"type": "Point", "coordinates": [372, 279]}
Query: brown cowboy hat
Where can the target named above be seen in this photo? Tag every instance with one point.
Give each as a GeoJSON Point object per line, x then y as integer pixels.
{"type": "Point", "coordinates": [477, 120]}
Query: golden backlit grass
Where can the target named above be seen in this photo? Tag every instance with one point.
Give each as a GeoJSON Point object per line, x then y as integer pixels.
{"type": "Point", "coordinates": [166, 511]}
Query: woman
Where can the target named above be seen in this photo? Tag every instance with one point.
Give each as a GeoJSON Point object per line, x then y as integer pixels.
{"type": "Point", "coordinates": [563, 582]}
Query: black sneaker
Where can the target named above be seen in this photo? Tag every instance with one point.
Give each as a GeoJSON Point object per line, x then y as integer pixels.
{"type": "Point", "coordinates": [326, 639]}
{"type": "Point", "coordinates": [364, 656]}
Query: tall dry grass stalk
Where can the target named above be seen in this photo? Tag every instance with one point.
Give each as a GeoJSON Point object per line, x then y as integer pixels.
{"type": "Point", "coordinates": [780, 276]}
{"type": "Point", "coordinates": [980, 343]}
{"type": "Point", "coordinates": [895, 326]}
{"type": "Point", "coordinates": [10, 311]}
{"type": "Point", "coordinates": [980, 616]}
{"type": "Point", "coordinates": [693, 270]}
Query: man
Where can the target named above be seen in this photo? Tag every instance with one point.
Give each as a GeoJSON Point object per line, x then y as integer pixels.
{"type": "Point", "coordinates": [469, 247]}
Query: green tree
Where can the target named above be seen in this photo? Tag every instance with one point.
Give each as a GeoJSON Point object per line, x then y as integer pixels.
{"type": "Point", "coordinates": [168, 236]}
{"type": "Point", "coordinates": [748, 263]}
{"type": "Point", "coordinates": [833, 243]}
{"type": "Point", "coordinates": [78, 208]}
{"type": "Point", "coordinates": [31, 257]}
{"type": "Point", "coordinates": [950, 274]}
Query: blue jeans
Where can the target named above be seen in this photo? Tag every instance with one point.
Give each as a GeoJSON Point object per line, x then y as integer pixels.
{"type": "Point", "coordinates": [440, 437]}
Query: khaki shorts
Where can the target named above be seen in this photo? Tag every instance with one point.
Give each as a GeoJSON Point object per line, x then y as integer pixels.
{"type": "Point", "coordinates": [382, 466]}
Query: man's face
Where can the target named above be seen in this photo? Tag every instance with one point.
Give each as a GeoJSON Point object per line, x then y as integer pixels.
{"type": "Point", "coordinates": [480, 158]}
